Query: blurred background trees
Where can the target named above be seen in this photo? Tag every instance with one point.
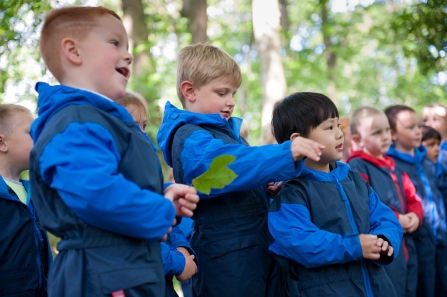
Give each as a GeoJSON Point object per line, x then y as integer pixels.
{"type": "Point", "coordinates": [359, 52]}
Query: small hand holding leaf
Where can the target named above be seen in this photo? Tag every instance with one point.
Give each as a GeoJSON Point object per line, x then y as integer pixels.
{"type": "Point", "coordinates": [218, 175]}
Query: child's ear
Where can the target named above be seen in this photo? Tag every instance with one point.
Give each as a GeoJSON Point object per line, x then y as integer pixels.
{"type": "Point", "coordinates": [187, 89]}
{"type": "Point", "coordinates": [393, 135]}
{"type": "Point", "coordinates": [70, 50]}
{"type": "Point", "coordinates": [3, 147]}
{"type": "Point", "coordinates": [294, 135]}
{"type": "Point", "coordinates": [358, 140]}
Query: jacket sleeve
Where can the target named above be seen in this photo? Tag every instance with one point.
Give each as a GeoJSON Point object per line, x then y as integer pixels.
{"type": "Point", "coordinates": [178, 239]}
{"type": "Point", "coordinates": [253, 165]}
{"type": "Point", "coordinates": [414, 203]}
{"type": "Point", "coordinates": [173, 260]}
{"type": "Point", "coordinates": [300, 240]}
{"type": "Point", "coordinates": [81, 163]}
{"type": "Point", "coordinates": [384, 224]}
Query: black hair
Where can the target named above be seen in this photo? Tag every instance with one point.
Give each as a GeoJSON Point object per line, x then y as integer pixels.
{"type": "Point", "coordinates": [300, 113]}
{"type": "Point", "coordinates": [430, 133]}
{"type": "Point", "coordinates": [392, 111]}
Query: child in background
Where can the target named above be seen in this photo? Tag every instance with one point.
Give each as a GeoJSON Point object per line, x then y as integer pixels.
{"type": "Point", "coordinates": [136, 105]}
{"type": "Point", "coordinates": [176, 253]}
{"type": "Point", "coordinates": [96, 179]}
{"type": "Point", "coordinates": [331, 232]}
{"type": "Point", "coordinates": [25, 254]}
{"type": "Point", "coordinates": [435, 116]}
{"type": "Point", "coordinates": [230, 234]}
{"type": "Point", "coordinates": [410, 156]}
{"type": "Point", "coordinates": [347, 145]}
{"type": "Point", "coordinates": [431, 139]}
{"type": "Point", "coordinates": [371, 133]}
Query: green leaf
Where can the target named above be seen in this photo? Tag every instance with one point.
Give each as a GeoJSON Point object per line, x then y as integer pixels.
{"type": "Point", "coordinates": [218, 175]}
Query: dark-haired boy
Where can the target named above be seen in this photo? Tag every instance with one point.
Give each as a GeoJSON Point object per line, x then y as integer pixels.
{"type": "Point", "coordinates": [332, 234]}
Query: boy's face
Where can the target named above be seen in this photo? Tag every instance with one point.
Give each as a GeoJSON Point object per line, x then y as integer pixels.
{"type": "Point", "coordinates": [432, 146]}
{"type": "Point", "coordinates": [374, 135]}
{"type": "Point", "coordinates": [217, 96]}
{"type": "Point", "coordinates": [435, 117]}
{"type": "Point", "coordinates": [138, 115]}
{"type": "Point", "coordinates": [19, 142]}
{"type": "Point", "coordinates": [329, 134]}
{"type": "Point", "coordinates": [408, 134]}
{"type": "Point", "coordinates": [105, 58]}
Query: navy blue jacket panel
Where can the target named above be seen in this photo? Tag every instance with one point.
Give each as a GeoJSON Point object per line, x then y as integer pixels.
{"type": "Point", "coordinates": [25, 254]}
{"type": "Point", "coordinates": [396, 190]}
{"type": "Point", "coordinates": [315, 221]}
{"type": "Point", "coordinates": [424, 179]}
{"type": "Point", "coordinates": [230, 234]}
{"type": "Point", "coordinates": [96, 182]}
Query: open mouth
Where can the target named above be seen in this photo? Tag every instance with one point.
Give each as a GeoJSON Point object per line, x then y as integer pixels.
{"type": "Point", "coordinates": [124, 71]}
{"type": "Point", "coordinates": [339, 147]}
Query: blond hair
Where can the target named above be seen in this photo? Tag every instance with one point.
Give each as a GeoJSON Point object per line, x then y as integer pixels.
{"type": "Point", "coordinates": [202, 63]}
{"type": "Point", "coordinates": [359, 114]}
{"type": "Point", "coordinates": [133, 98]}
{"type": "Point", "coordinates": [8, 117]}
{"type": "Point", "coordinates": [70, 21]}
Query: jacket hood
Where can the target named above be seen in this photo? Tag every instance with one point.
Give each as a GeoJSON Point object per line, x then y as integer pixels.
{"type": "Point", "coordinates": [417, 159]}
{"type": "Point", "coordinates": [53, 98]}
{"type": "Point", "coordinates": [174, 118]}
{"type": "Point", "coordinates": [387, 161]}
{"type": "Point", "coordinates": [336, 174]}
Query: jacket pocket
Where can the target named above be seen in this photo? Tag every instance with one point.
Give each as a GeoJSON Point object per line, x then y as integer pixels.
{"type": "Point", "coordinates": [126, 279]}
{"type": "Point", "coordinates": [222, 247]}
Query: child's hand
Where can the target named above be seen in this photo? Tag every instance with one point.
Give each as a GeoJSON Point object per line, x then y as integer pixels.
{"type": "Point", "coordinates": [404, 221]}
{"type": "Point", "coordinates": [184, 197]}
{"type": "Point", "coordinates": [169, 231]}
{"type": "Point", "coordinates": [303, 147]}
{"type": "Point", "coordinates": [413, 222]}
{"type": "Point", "coordinates": [386, 249]}
{"type": "Point", "coordinates": [190, 266]}
{"type": "Point", "coordinates": [370, 248]}
{"type": "Point", "coordinates": [274, 188]}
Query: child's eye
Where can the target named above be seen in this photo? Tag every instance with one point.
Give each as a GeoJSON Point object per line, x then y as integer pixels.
{"type": "Point", "coordinates": [114, 42]}
{"type": "Point", "coordinates": [331, 127]}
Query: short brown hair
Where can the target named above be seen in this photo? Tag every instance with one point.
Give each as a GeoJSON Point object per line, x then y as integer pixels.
{"type": "Point", "coordinates": [359, 114]}
{"type": "Point", "coordinates": [392, 111]}
{"type": "Point", "coordinates": [202, 63]}
{"type": "Point", "coordinates": [8, 112]}
{"type": "Point", "coordinates": [70, 21]}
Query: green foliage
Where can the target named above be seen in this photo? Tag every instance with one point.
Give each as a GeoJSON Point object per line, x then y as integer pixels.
{"type": "Point", "coordinates": [19, 20]}
{"type": "Point", "coordinates": [218, 175]}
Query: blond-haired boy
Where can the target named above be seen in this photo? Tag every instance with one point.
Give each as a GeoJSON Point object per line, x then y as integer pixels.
{"type": "Point", "coordinates": [95, 176]}
{"type": "Point", "coordinates": [230, 235]}
{"type": "Point", "coordinates": [24, 250]}
{"type": "Point", "coordinates": [371, 132]}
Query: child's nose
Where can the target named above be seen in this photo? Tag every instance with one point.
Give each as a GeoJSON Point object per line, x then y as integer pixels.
{"type": "Point", "coordinates": [128, 57]}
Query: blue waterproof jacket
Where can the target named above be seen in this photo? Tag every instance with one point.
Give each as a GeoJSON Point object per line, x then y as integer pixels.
{"type": "Point", "coordinates": [96, 182]}
{"type": "Point", "coordinates": [25, 254]}
{"type": "Point", "coordinates": [423, 176]}
{"type": "Point", "coordinates": [430, 239]}
{"type": "Point", "coordinates": [395, 190]}
{"type": "Point", "coordinates": [230, 233]}
{"type": "Point", "coordinates": [316, 220]}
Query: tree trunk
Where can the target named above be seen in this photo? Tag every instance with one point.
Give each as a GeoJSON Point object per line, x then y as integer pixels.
{"type": "Point", "coordinates": [266, 17]}
{"type": "Point", "coordinates": [329, 54]}
{"type": "Point", "coordinates": [195, 11]}
{"type": "Point", "coordinates": [135, 24]}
